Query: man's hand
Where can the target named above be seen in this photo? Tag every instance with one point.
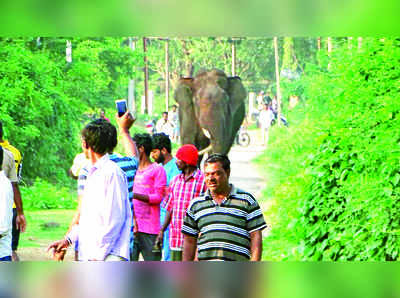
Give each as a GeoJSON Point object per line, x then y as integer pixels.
{"type": "Point", "coordinates": [21, 222]}
{"type": "Point", "coordinates": [58, 247]}
{"type": "Point", "coordinates": [59, 256]}
{"type": "Point", "coordinates": [160, 238]}
{"type": "Point", "coordinates": [125, 122]}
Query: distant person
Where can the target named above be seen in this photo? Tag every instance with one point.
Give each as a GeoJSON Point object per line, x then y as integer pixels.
{"type": "Point", "coordinates": [226, 223]}
{"type": "Point", "coordinates": [6, 213]}
{"type": "Point", "coordinates": [105, 214]}
{"type": "Point", "coordinates": [174, 116]}
{"type": "Point", "coordinates": [267, 98]}
{"type": "Point", "coordinates": [103, 116]}
{"type": "Point", "coordinates": [161, 154]}
{"type": "Point", "coordinates": [148, 192]}
{"type": "Point", "coordinates": [12, 167]}
{"type": "Point", "coordinates": [274, 106]}
{"type": "Point", "coordinates": [164, 125]}
{"type": "Point", "coordinates": [265, 119]}
{"type": "Point", "coordinates": [183, 189]}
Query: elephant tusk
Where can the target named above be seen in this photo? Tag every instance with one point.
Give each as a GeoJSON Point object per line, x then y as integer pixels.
{"type": "Point", "coordinates": [206, 133]}
{"type": "Point", "coordinates": [204, 151]}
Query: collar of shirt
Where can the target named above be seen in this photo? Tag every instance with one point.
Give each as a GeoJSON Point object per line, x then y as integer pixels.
{"type": "Point", "coordinates": [99, 163]}
{"type": "Point", "coordinates": [4, 143]}
{"type": "Point", "coordinates": [233, 192]}
{"type": "Point", "coordinates": [194, 175]}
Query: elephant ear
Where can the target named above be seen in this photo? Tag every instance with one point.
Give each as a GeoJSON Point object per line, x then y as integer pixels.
{"type": "Point", "coordinates": [237, 93]}
{"type": "Point", "coordinates": [183, 93]}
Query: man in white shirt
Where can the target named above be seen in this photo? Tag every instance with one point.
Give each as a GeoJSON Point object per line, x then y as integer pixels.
{"type": "Point", "coordinates": [105, 212]}
{"type": "Point", "coordinates": [164, 125]}
{"type": "Point", "coordinates": [6, 203]}
{"type": "Point", "coordinates": [265, 119]}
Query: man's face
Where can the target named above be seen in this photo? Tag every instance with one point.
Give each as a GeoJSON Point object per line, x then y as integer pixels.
{"type": "Point", "coordinates": [181, 165]}
{"type": "Point", "coordinates": [102, 114]}
{"type": "Point", "coordinates": [85, 150]}
{"type": "Point", "coordinates": [157, 155]}
{"type": "Point", "coordinates": [165, 117]}
{"type": "Point", "coordinates": [217, 179]}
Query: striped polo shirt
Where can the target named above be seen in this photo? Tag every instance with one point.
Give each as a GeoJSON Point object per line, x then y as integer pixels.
{"type": "Point", "coordinates": [223, 231]}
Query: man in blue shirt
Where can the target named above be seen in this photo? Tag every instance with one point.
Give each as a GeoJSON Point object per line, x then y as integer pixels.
{"type": "Point", "coordinates": [162, 155]}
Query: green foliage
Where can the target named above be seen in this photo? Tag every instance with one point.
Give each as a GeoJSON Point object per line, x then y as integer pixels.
{"type": "Point", "coordinates": [45, 101]}
{"type": "Point", "coordinates": [346, 204]}
{"type": "Point", "coordinates": [44, 195]}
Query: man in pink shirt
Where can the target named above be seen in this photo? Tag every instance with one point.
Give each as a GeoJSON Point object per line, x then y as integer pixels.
{"type": "Point", "coordinates": [148, 192]}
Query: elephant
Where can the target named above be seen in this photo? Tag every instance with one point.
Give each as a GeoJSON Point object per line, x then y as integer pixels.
{"type": "Point", "coordinates": [211, 110]}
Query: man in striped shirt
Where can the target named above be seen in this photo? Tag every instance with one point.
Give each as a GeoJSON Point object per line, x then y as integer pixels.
{"type": "Point", "coordinates": [225, 223]}
{"type": "Point", "coordinates": [183, 189]}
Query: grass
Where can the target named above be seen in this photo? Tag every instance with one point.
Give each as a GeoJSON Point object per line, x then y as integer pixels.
{"type": "Point", "coordinates": [37, 234]}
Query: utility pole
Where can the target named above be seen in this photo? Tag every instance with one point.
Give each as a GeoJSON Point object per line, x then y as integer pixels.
{"type": "Point", "coordinates": [131, 86]}
{"type": "Point", "coordinates": [146, 76]}
{"type": "Point", "coordinates": [233, 58]}
{"type": "Point", "coordinates": [278, 87]}
{"type": "Point", "coordinates": [166, 74]}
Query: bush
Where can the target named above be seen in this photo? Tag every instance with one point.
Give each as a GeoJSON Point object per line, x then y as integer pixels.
{"type": "Point", "coordinates": [44, 195]}
{"type": "Point", "coordinates": [343, 203]}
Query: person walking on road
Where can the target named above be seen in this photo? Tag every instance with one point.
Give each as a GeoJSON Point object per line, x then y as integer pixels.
{"type": "Point", "coordinates": [12, 164]}
{"type": "Point", "coordinates": [105, 214]}
{"type": "Point", "coordinates": [6, 213]}
{"type": "Point", "coordinates": [161, 154]}
{"type": "Point", "coordinates": [148, 192]}
{"type": "Point", "coordinates": [265, 119]}
{"type": "Point", "coordinates": [183, 189]}
{"type": "Point", "coordinates": [225, 223]}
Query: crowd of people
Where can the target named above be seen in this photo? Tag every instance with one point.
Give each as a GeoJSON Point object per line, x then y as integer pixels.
{"type": "Point", "coordinates": [146, 203]}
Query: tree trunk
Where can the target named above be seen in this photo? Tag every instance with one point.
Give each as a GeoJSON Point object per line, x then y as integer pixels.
{"type": "Point", "coordinates": [166, 75]}
{"type": "Point", "coordinates": [146, 76]}
{"type": "Point", "coordinates": [278, 87]}
{"type": "Point", "coordinates": [233, 59]}
{"type": "Point", "coordinates": [188, 61]}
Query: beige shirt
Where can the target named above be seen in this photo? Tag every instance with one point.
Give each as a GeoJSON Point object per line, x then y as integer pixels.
{"type": "Point", "coordinates": [9, 166]}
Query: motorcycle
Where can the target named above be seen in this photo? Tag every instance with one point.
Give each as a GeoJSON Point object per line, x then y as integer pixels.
{"type": "Point", "coordinates": [242, 137]}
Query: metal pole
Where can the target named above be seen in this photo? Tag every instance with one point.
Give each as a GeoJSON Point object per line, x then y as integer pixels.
{"type": "Point", "coordinates": [166, 75]}
{"type": "Point", "coordinates": [278, 87]}
{"type": "Point", "coordinates": [146, 76]}
{"type": "Point", "coordinates": [233, 59]}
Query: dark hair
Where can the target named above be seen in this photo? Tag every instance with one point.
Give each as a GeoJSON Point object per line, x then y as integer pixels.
{"type": "Point", "coordinates": [1, 130]}
{"type": "Point", "coordinates": [217, 157]}
{"type": "Point", "coordinates": [1, 157]}
{"type": "Point", "coordinates": [161, 140]}
{"type": "Point", "coordinates": [144, 139]}
{"type": "Point", "coordinates": [165, 113]}
{"type": "Point", "coordinates": [100, 135]}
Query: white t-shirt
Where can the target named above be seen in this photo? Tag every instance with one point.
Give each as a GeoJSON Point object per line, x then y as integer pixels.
{"type": "Point", "coordinates": [6, 203]}
{"type": "Point", "coordinates": [266, 117]}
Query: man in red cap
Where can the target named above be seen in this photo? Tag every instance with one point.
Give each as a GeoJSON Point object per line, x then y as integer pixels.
{"type": "Point", "coordinates": [183, 188]}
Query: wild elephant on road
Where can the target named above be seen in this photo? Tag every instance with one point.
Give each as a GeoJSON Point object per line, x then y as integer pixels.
{"type": "Point", "coordinates": [211, 110]}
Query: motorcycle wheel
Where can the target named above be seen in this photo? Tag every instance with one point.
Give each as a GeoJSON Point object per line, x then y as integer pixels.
{"type": "Point", "coordinates": [244, 139]}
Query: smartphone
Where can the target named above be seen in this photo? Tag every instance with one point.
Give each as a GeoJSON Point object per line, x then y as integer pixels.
{"type": "Point", "coordinates": [121, 106]}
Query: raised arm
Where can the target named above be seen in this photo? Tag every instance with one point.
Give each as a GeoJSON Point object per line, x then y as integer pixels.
{"type": "Point", "coordinates": [125, 122]}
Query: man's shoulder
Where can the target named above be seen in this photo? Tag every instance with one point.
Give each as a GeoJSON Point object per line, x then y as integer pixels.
{"type": "Point", "coordinates": [8, 159]}
{"type": "Point", "coordinates": [16, 153]}
{"type": "Point", "coordinates": [244, 195]}
{"type": "Point", "coordinates": [118, 158]}
{"type": "Point", "coordinates": [197, 201]}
